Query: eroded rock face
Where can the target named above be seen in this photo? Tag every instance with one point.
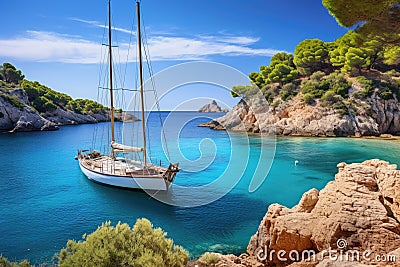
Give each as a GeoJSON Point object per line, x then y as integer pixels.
{"type": "Point", "coordinates": [361, 206]}
{"type": "Point", "coordinates": [24, 118]}
{"type": "Point", "coordinates": [357, 212]}
{"type": "Point", "coordinates": [296, 118]}
{"type": "Point", "coordinates": [18, 119]}
{"type": "Point", "coordinates": [212, 107]}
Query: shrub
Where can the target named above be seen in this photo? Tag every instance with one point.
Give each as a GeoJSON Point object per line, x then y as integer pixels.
{"type": "Point", "coordinates": [338, 83]}
{"type": "Point", "coordinates": [1, 115]}
{"type": "Point", "coordinates": [329, 98]}
{"type": "Point", "coordinates": [85, 106]}
{"type": "Point", "coordinates": [317, 76]}
{"type": "Point", "coordinates": [209, 258]}
{"type": "Point", "coordinates": [318, 84]}
{"type": "Point", "coordinates": [276, 103]}
{"type": "Point", "coordinates": [393, 73]}
{"type": "Point", "coordinates": [5, 263]}
{"type": "Point", "coordinates": [140, 246]}
{"type": "Point", "coordinates": [341, 108]}
{"type": "Point", "coordinates": [270, 91]}
{"type": "Point", "coordinates": [288, 91]}
{"type": "Point", "coordinates": [308, 99]}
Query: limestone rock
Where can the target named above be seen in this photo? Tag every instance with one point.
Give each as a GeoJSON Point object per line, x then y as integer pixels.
{"type": "Point", "coordinates": [21, 119]}
{"type": "Point", "coordinates": [361, 207]}
{"type": "Point", "coordinates": [293, 117]}
{"type": "Point", "coordinates": [212, 107]}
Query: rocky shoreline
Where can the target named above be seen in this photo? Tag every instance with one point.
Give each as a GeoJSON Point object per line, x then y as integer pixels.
{"type": "Point", "coordinates": [22, 117]}
{"type": "Point", "coordinates": [357, 212]}
{"type": "Point", "coordinates": [372, 117]}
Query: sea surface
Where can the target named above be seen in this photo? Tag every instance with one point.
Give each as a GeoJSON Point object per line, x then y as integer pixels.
{"type": "Point", "coordinates": [46, 200]}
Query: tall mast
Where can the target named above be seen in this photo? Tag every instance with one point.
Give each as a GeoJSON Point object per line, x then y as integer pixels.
{"type": "Point", "coordinates": [111, 71]}
{"type": "Point", "coordinates": [141, 82]}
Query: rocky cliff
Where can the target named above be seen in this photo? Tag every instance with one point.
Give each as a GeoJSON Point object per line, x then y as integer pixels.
{"type": "Point", "coordinates": [16, 115]}
{"type": "Point", "coordinates": [356, 214]}
{"type": "Point", "coordinates": [370, 117]}
{"type": "Point", "coordinates": [212, 107]}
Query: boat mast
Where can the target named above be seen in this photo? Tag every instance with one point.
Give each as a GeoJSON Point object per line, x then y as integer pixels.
{"type": "Point", "coordinates": [111, 71]}
{"type": "Point", "coordinates": [141, 82]}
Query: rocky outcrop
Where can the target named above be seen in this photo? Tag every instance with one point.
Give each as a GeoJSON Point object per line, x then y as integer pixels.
{"type": "Point", "coordinates": [21, 117]}
{"type": "Point", "coordinates": [18, 116]}
{"type": "Point", "coordinates": [373, 117]}
{"type": "Point", "coordinates": [212, 107]}
{"type": "Point", "coordinates": [356, 214]}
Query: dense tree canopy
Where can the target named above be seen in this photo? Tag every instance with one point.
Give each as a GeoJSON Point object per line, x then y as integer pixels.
{"type": "Point", "coordinates": [44, 99]}
{"type": "Point", "coordinates": [141, 246]}
{"type": "Point", "coordinates": [378, 17]}
{"type": "Point", "coordinates": [10, 74]}
{"type": "Point", "coordinates": [311, 55]}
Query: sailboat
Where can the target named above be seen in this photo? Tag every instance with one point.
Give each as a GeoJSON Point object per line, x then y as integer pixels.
{"type": "Point", "coordinates": [118, 171]}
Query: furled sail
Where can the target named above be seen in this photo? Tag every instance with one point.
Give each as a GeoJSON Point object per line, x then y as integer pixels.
{"type": "Point", "coordinates": [124, 148]}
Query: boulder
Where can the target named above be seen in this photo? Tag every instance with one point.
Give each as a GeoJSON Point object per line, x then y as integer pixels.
{"type": "Point", "coordinates": [360, 208]}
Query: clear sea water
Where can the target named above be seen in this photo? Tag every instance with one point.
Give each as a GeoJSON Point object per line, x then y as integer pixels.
{"type": "Point", "coordinates": [46, 200]}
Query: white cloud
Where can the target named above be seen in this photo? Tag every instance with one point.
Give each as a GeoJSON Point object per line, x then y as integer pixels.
{"type": "Point", "coordinates": [50, 47]}
{"type": "Point", "coordinates": [99, 25]}
{"type": "Point", "coordinates": [54, 47]}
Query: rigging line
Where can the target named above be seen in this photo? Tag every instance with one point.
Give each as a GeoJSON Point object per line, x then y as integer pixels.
{"type": "Point", "coordinates": [146, 46]}
{"type": "Point", "coordinates": [101, 69]}
{"type": "Point", "coordinates": [129, 49]}
{"type": "Point", "coordinates": [121, 89]}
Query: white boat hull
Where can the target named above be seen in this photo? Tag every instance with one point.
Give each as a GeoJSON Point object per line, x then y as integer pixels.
{"type": "Point", "coordinates": [144, 183]}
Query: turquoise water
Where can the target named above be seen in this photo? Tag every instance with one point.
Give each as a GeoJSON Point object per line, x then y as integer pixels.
{"type": "Point", "coordinates": [45, 200]}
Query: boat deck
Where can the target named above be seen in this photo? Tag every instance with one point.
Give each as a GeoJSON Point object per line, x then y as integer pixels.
{"type": "Point", "coordinates": [108, 166]}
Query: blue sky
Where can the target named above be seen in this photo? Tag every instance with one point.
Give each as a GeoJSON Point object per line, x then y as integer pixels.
{"type": "Point", "coordinates": [58, 43]}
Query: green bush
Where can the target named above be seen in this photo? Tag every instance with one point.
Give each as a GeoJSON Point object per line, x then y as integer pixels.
{"type": "Point", "coordinates": [308, 99]}
{"type": "Point", "coordinates": [43, 98]}
{"type": "Point", "coordinates": [329, 98]}
{"type": "Point", "coordinates": [85, 106]}
{"type": "Point", "coordinates": [141, 246]}
{"type": "Point", "coordinates": [270, 91]}
{"type": "Point", "coordinates": [341, 108]}
{"type": "Point", "coordinates": [5, 263]}
{"type": "Point", "coordinates": [338, 83]}
{"type": "Point", "coordinates": [317, 85]}
{"type": "Point", "coordinates": [1, 115]}
{"type": "Point", "coordinates": [209, 258]}
{"type": "Point", "coordinates": [393, 73]}
{"type": "Point", "coordinates": [288, 91]}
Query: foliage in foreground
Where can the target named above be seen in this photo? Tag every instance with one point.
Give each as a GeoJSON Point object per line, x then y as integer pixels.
{"type": "Point", "coordinates": [209, 258]}
{"type": "Point", "coordinates": [5, 263]}
{"type": "Point", "coordinates": [141, 246]}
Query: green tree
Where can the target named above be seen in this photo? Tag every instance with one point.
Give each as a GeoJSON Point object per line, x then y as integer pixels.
{"type": "Point", "coordinates": [10, 74]}
{"type": "Point", "coordinates": [356, 59]}
{"type": "Point", "coordinates": [338, 54]}
{"type": "Point", "coordinates": [379, 17]}
{"type": "Point", "coordinates": [282, 74]}
{"type": "Point", "coordinates": [391, 55]}
{"type": "Point", "coordinates": [282, 58]}
{"type": "Point", "coordinates": [311, 55]}
{"type": "Point", "coordinates": [257, 79]}
{"type": "Point", "coordinates": [142, 246]}
{"type": "Point", "coordinates": [243, 90]}
{"type": "Point", "coordinates": [5, 263]}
